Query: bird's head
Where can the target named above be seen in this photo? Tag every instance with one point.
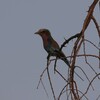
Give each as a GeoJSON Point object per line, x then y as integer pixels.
{"type": "Point", "coordinates": [43, 32]}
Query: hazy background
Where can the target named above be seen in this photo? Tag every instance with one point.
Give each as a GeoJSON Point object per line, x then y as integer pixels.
{"type": "Point", "coordinates": [22, 58]}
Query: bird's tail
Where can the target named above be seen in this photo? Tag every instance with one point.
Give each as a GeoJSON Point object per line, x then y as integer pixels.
{"type": "Point", "coordinates": [62, 56]}
{"type": "Point", "coordinates": [66, 61]}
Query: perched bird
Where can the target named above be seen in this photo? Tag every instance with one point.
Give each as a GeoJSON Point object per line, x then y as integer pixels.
{"type": "Point", "coordinates": [51, 46]}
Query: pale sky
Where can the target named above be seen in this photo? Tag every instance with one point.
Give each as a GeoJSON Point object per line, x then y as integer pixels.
{"type": "Point", "coordinates": [22, 57]}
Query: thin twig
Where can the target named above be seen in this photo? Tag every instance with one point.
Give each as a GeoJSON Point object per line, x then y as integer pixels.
{"type": "Point", "coordinates": [96, 24]}
{"type": "Point", "coordinates": [44, 88]}
{"type": "Point", "coordinates": [98, 98]}
{"type": "Point", "coordinates": [50, 82]}
{"type": "Point", "coordinates": [91, 43]}
{"type": "Point", "coordinates": [85, 75]}
{"type": "Point", "coordinates": [90, 84]}
{"type": "Point", "coordinates": [62, 90]}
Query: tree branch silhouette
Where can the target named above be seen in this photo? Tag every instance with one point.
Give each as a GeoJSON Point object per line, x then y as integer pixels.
{"type": "Point", "coordinates": [71, 86]}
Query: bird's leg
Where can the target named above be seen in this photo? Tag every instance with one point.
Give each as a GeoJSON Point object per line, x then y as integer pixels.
{"type": "Point", "coordinates": [55, 65]}
{"type": "Point", "coordinates": [48, 57]}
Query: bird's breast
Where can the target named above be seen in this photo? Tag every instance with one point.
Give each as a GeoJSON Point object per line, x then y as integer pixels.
{"type": "Point", "coordinates": [46, 43]}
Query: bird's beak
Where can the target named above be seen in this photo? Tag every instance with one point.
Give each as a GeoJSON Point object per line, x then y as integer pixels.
{"type": "Point", "coordinates": [36, 33]}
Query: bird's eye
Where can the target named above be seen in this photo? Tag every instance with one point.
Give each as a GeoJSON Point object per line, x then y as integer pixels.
{"type": "Point", "coordinates": [43, 31]}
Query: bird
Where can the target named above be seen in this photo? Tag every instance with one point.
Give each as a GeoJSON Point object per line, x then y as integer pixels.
{"type": "Point", "coordinates": [51, 46]}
